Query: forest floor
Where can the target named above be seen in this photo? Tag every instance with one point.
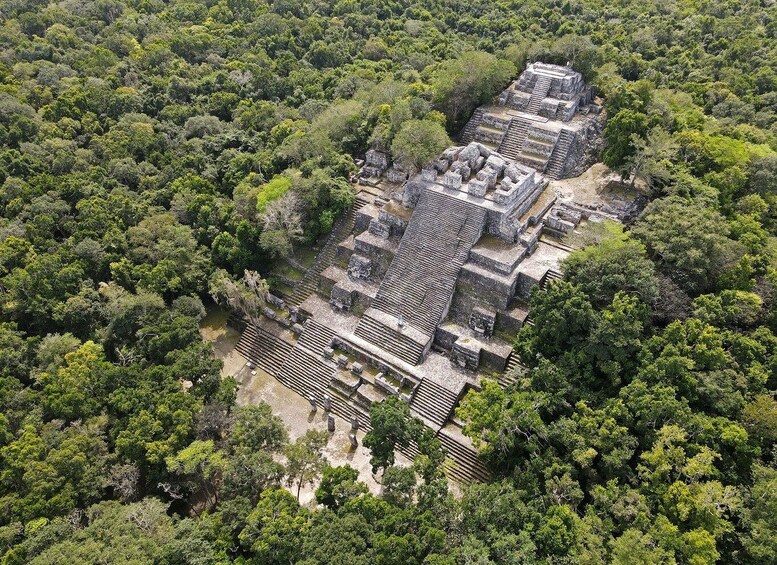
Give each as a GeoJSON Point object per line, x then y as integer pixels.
{"type": "Point", "coordinates": [257, 385]}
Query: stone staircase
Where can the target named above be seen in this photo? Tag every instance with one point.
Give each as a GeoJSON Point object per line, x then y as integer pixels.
{"type": "Point", "coordinates": [508, 377]}
{"type": "Point", "coordinates": [263, 349]}
{"type": "Point", "coordinates": [468, 133]}
{"type": "Point", "coordinates": [550, 276]}
{"type": "Point", "coordinates": [306, 374]}
{"type": "Point", "coordinates": [537, 148]}
{"type": "Point", "coordinates": [467, 466]}
{"type": "Point", "coordinates": [514, 138]}
{"type": "Point", "coordinates": [419, 284]}
{"type": "Point", "coordinates": [342, 228]}
{"type": "Point", "coordinates": [434, 402]}
{"type": "Point", "coordinates": [390, 339]}
{"type": "Point", "coordinates": [540, 91]}
{"type": "Point", "coordinates": [316, 337]}
{"type": "Point", "coordinates": [558, 158]}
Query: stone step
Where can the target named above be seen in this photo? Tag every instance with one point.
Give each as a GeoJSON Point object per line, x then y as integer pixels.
{"type": "Point", "coordinates": [390, 340]}
{"type": "Point", "coordinates": [434, 402]}
{"type": "Point", "coordinates": [468, 133]}
{"type": "Point", "coordinates": [467, 465]}
{"type": "Point", "coordinates": [540, 91]}
{"type": "Point", "coordinates": [508, 376]}
{"type": "Point", "coordinates": [514, 138]}
{"type": "Point", "coordinates": [559, 156]}
{"type": "Point", "coordinates": [316, 337]}
{"type": "Point", "coordinates": [306, 374]}
{"type": "Point", "coordinates": [420, 281]}
{"type": "Point", "coordinates": [550, 276]}
{"type": "Point", "coordinates": [263, 349]}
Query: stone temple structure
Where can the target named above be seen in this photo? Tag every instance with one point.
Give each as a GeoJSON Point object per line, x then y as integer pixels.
{"type": "Point", "coordinates": [545, 120]}
{"type": "Point", "coordinates": [423, 285]}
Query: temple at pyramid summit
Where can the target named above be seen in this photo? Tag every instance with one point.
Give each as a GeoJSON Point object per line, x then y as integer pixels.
{"type": "Point", "coordinates": [424, 283]}
{"type": "Point", "coordinates": [546, 120]}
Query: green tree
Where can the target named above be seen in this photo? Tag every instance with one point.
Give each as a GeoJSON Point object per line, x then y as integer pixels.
{"type": "Point", "coordinates": [418, 142]}
{"type": "Point", "coordinates": [615, 264]}
{"type": "Point", "coordinates": [689, 242]}
{"type": "Point", "coordinates": [392, 427]}
{"type": "Point", "coordinates": [305, 459]}
{"type": "Point", "coordinates": [469, 81]}
{"type": "Point", "coordinates": [273, 530]}
{"type": "Point", "coordinates": [338, 485]}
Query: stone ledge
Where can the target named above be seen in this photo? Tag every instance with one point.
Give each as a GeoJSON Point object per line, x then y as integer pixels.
{"type": "Point", "coordinates": [392, 322]}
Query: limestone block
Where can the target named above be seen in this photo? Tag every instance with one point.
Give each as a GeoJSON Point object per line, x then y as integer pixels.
{"type": "Point", "coordinates": [329, 353]}
{"type": "Point", "coordinates": [357, 368]}
{"type": "Point", "coordinates": [379, 228]}
{"type": "Point", "coordinates": [451, 154]}
{"type": "Point", "coordinates": [479, 163]}
{"type": "Point", "coordinates": [488, 176]}
{"type": "Point", "coordinates": [429, 174]}
{"type": "Point", "coordinates": [377, 158]}
{"type": "Point", "coordinates": [297, 329]}
{"type": "Point", "coordinates": [482, 321]}
{"type": "Point", "coordinates": [342, 361]}
{"type": "Point", "coordinates": [513, 172]}
{"type": "Point", "coordinates": [485, 152]}
{"type": "Point", "coordinates": [441, 165]}
{"type": "Point", "coordinates": [466, 353]}
{"type": "Point", "coordinates": [269, 313]}
{"type": "Point", "coordinates": [341, 298]}
{"type": "Point", "coordinates": [470, 154]}
{"type": "Point", "coordinates": [275, 301]}
{"type": "Point", "coordinates": [462, 168]}
{"type": "Point", "coordinates": [495, 163]}
{"type": "Point", "coordinates": [396, 175]}
{"type": "Point", "coordinates": [359, 267]}
{"type": "Point", "coordinates": [477, 188]}
{"type": "Point", "coordinates": [452, 180]}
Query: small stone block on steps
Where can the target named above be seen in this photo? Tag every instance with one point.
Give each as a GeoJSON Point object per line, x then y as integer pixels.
{"type": "Point", "coordinates": [452, 180]}
{"type": "Point", "coordinates": [297, 329]}
{"type": "Point", "coordinates": [342, 361]}
{"type": "Point", "coordinates": [357, 368]}
{"type": "Point", "coordinates": [329, 353]}
{"type": "Point", "coordinates": [429, 175]}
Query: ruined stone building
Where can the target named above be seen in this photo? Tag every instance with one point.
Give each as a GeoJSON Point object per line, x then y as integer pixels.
{"type": "Point", "coordinates": [423, 285]}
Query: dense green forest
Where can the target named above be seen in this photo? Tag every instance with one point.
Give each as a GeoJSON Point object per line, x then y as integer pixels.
{"type": "Point", "coordinates": [151, 152]}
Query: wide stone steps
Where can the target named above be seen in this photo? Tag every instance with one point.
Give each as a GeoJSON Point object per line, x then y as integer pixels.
{"type": "Point", "coordinates": [420, 281]}
{"type": "Point", "coordinates": [558, 158]}
{"type": "Point", "coordinates": [388, 339]}
{"type": "Point", "coordinates": [263, 349]}
{"type": "Point", "coordinates": [316, 337]}
{"type": "Point", "coordinates": [541, 88]}
{"type": "Point", "coordinates": [468, 133]}
{"type": "Point", "coordinates": [306, 374]}
{"type": "Point", "coordinates": [342, 228]}
{"type": "Point", "coordinates": [434, 402]}
{"type": "Point", "coordinates": [515, 137]}
{"type": "Point", "coordinates": [467, 465]}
